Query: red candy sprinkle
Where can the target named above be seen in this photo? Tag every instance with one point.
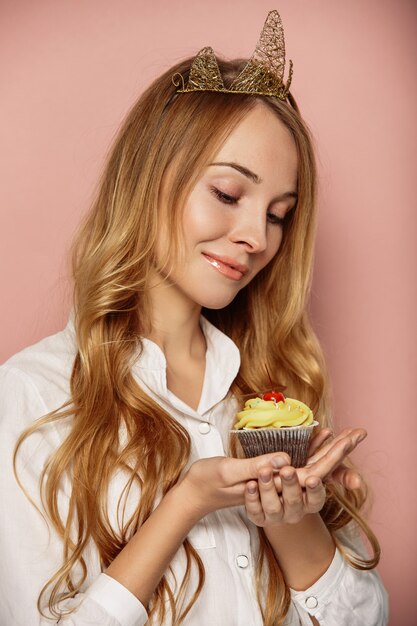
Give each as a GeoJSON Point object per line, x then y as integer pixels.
{"type": "Point", "coordinates": [274, 395]}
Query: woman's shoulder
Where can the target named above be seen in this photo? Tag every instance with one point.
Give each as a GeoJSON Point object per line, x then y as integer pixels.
{"type": "Point", "coordinates": [39, 375]}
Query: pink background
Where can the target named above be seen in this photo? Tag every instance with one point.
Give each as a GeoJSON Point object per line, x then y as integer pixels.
{"type": "Point", "coordinates": [70, 70]}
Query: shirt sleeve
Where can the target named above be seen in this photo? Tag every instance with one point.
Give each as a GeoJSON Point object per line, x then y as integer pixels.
{"type": "Point", "coordinates": [31, 550]}
{"type": "Point", "coordinates": [105, 602]}
{"type": "Point", "coordinates": [345, 596]}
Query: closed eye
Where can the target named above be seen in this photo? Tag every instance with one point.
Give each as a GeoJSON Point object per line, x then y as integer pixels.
{"type": "Point", "coordinates": [223, 197]}
{"type": "Point", "coordinates": [281, 221]}
{"type": "Point", "coordinates": [271, 217]}
{"type": "Point", "coordinates": [276, 219]}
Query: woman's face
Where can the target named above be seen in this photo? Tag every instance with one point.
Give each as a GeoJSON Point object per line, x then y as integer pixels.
{"type": "Point", "coordinates": [233, 217]}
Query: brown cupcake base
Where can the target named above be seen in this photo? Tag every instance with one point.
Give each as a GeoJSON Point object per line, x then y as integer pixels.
{"type": "Point", "coordinates": [293, 440]}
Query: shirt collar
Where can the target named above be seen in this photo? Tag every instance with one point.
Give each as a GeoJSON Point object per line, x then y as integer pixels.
{"type": "Point", "coordinates": [222, 366]}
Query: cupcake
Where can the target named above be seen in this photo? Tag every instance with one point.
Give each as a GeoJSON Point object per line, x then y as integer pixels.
{"type": "Point", "coordinates": [274, 423]}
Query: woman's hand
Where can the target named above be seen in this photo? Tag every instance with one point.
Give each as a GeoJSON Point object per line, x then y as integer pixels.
{"type": "Point", "coordinates": [220, 482]}
{"type": "Point", "coordinates": [348, 477]}
{"type": "Point", "coordinates": [294, 493]}
{"type": "Point", "coordinates": [265, 506]}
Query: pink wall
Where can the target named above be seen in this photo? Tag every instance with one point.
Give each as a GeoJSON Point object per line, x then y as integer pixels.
{"type": "Point", "coordinates": [69, 71]}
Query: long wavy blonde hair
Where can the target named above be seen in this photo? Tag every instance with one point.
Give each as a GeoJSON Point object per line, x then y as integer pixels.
{"type": "Point", "coordinates": [168, 139]}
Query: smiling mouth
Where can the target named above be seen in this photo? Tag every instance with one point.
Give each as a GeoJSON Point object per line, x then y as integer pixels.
{"type": "Point", "coordinates": [227, 267]}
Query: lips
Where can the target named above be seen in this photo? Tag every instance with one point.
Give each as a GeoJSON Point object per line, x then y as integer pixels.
{"type": "Point", "coordinates": [226, 265]}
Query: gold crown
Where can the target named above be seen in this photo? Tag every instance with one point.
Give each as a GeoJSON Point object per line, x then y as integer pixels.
{"type": "Point", "coordinates": [263, 74]}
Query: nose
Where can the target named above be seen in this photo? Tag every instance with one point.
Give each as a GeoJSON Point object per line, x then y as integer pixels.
{"type": "Point", "coordinates": [249, 230]}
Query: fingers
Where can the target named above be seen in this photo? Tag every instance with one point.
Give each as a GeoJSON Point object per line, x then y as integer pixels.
{"type": "Point", "coordinates": [348, 477]}
{"type": "Point", "coordinates": [319, 453]}
{"type": "Point", "coordinates": [292, 496]}
{"type": "Point", "coordinates": [253, 504]}
{"type": "Point", "coordinates": [318, 440]}
{"type": "Point", "coordinates": [286, 497]}
{"type": "Point", "coordinates": [276, 459]}
{"type": "Point", "coordinates": [250, 468]}
{"type": "Point", "coordinates": [265, 506]}
{"type": "Point", "coordinates": [333, 454]}
{"type": "Point", "coordinates": [315, 495]}
{"type": "Point", "coordinates": [231, 471]}
{"type": "Point", "coordinates": [329, 462]}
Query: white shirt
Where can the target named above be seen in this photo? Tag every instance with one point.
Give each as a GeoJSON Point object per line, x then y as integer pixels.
{"type": "Point", "coordinates": [36, 381]}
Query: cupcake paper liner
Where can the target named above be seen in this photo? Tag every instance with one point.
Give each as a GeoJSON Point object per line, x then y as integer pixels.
{"type": "Point", "coordinates": [294, 440]}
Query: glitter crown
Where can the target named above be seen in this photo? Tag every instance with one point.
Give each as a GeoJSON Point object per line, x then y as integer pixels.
{"type": "Point", "coordinates": [263, 74]}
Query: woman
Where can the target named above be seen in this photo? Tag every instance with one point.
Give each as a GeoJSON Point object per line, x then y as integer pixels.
{"type": "Point", "coordinates": [191, 274]}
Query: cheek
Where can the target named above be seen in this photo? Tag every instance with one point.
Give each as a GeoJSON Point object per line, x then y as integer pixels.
{"type": "Point", "coordinates": [274, 244]}
{"type": "Point", "coordinates": [202, 221]}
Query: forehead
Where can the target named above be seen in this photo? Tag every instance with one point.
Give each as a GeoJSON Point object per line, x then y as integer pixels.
{"type": "Point", "coordinates": [261, 142]}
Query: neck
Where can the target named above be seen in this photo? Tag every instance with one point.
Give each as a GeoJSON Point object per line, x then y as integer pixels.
{"type": "Point", "coordinates": [175, 322]}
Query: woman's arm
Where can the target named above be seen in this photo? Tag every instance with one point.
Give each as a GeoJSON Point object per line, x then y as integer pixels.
{"type": "Point", "coordinates": [209, 485]}
{"type": "Point", "coordinates": [299, 537]}
{"type": "Point", "coordinates": [32, 550]}
{"type": "Point", "coordinates": [288, 506]}
{"type": "Point", "coordinates": [302, 543]}
{"type": "Point", "coordinates": [154, 545]}
{"type": "Point", "coordinates": [322, 583]}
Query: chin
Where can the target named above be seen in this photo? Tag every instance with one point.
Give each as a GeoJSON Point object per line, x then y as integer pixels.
{"type": "Point", "coordinates": [216, 302]}
{"type": "Point", "coordinates": [211, 294]}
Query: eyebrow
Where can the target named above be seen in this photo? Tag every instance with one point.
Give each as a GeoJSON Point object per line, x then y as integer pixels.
{"type": "Point", "coordinates": [242, 169]}
{"type": "Point", "coordinates": [255, 178]}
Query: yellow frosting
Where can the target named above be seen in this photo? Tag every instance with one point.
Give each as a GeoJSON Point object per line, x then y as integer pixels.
{"type": "Point", "coordinates": [260, 413]}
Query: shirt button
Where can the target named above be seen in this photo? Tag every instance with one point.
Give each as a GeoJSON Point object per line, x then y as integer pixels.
{"type": "Point", "coordinates": [311, 602]}
{"type": "Point", "coordinates": [204, 428]}
{"type": "Point", "coordinates": [242, 561]}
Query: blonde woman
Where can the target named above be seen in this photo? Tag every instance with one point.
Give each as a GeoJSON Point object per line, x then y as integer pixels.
{"type": "Point", "coordinates": [120, 504]}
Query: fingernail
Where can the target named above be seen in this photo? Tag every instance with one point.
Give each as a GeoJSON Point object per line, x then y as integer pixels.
{"type": "Point", "coordinates": [278, 462]}
{"type": "Point", "coordinates": [265, 478]}
{"type": "Point", "coordinates": [287, 476]}
{"type": "Point", "coordinates": [252, 488]}
{"type": "Point", "coordinates": [361, 438]}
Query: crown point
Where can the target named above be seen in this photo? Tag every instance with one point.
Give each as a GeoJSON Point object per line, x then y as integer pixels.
{"type": "Point", "coordinates": [204, 72]}
{"type": "Point", "coordinates": [263, 74]}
